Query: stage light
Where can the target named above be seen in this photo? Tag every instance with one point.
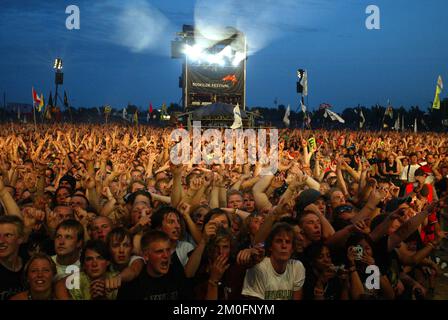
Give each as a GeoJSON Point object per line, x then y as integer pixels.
{"type": "Point", "coordinates": [193, 52]}
{"type": "Point", "coordinates": [57, 64]}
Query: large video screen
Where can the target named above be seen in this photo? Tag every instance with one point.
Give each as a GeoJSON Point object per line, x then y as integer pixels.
{"type": "Point", "coordinates": [215, 80]}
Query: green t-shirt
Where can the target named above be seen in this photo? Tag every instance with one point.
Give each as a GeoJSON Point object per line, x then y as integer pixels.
{"type": "Point", "coordinates": [83, 293]}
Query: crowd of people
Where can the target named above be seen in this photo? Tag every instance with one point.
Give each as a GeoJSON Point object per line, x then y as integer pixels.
{"type": "Point", "coordinates": [99, 212]}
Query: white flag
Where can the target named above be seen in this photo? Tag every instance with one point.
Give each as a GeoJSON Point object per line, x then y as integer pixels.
{"type": "Point", "coordinates": [304, 83]}
{"type": "Point", "coordinates": [397, 123]}
{"type": "Point", "coordinates": [415, 125]}
{"type": "Point", "coordinates": [286, 117]}
{"type": "Point", "coordinates": [333, 116]}
{"type": "Point", "coordinates": [363, 120]}
{"type": "Point", "coordinates": [440, 82]}
{"type": "Point", "coordinates": [125, 114]}
{"type": "Point", "coordinates": [303, 106]}
{"type": "Point", "coordinates": [402, 123]}
{"type": "Point", "coordinates": [237, 123]}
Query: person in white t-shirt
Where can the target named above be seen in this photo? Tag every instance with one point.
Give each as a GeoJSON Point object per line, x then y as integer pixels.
{"type": "Point", "coordinates": [277, 277]}
{"type": "Point", "coordinates": [407, 174]}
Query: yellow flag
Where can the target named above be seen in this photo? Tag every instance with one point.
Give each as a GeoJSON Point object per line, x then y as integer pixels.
{"type": "Point", "coordinates": [136, 117]}
{"type": "Point", "coordinates": [439, 87]}
{"type": "Point", "coordinates": [42, 102]}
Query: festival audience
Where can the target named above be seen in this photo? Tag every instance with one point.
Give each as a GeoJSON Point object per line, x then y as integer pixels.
{"type": "Point", "coordinates": [104, 207]}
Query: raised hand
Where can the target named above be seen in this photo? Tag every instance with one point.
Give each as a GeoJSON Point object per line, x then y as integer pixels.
{"type": "Point", "coordinates": [209, 232]}
{"type": "Point", "coordinates": [89, 182]}
{"type": "Point", "coordinates": [52, 220]}
{"type": "Point", "coordinates": [277, 182]}
{"type": "Point", "coordinates": [362, 227]}
{"type": "Point", "coordinates": [184, 208]}
{"type": "Point", "coordinates": [32, 218]}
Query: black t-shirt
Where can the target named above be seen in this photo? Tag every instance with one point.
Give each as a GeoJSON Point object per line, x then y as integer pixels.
{"type": "Point", "coordinates": [172, 286]}
{"type": "Point", "coordinates": [388, 262]}
{"type": "Point", "coordinates": [442, 186]}
{"type": "Point", "coordinates": [332, 290]}
{"type": "Point", "coordinates": [10, 282]}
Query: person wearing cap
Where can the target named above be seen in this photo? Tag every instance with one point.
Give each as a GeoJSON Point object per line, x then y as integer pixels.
{"type": "Point", "coordinates": [422, 187]}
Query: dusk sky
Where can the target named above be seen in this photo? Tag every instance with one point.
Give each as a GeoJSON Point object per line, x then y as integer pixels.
{"type": "Point", "coordinates": [121, 53]}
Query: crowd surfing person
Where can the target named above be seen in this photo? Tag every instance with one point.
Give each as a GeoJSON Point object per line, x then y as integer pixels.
{"type": "Point", "coordinates": [354, 216]}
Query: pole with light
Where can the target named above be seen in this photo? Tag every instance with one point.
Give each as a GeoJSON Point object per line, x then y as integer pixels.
{"type": "Point", "coordinates": [59, 77]}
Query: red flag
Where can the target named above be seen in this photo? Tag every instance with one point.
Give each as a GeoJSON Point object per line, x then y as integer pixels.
{"type": "Point", "coordinates": [36, 98]}
{"type": "Point", "coordinates": [150, 108]}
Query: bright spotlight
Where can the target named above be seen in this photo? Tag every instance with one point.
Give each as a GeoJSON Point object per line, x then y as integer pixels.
{"type": "Point", "coordinates": [193, 52]}
{"type": "Point", "coordinates": [239, 56]}
{"type": "Point", "coordinates": [57, 64]}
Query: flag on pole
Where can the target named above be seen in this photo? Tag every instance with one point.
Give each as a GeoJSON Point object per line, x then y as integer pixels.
{"type": "Point", "coordinates": [125, 114]}
{"type": "Point", "coordinates": [36, 98]}
{"type": "Point", "coordinates": [47, 112]}
{"type": "Point", "coordinates": [415, 125]}
{"type": "Point", "coordinates": [304, 83]}
{"type": "Point", "coordinates": [286, 117]}
{"type": "Point", "coordinates": [42, 102]}
{"type": "Point", "coordinates": [237, 122]}
{"type": "Point", "coordinates": [402, 123]}
{"type": "Point", "coordinates": [308, 120]}
{"type": "Point", "coordinates": [439, 88]}
{"type": "Point", "coordinates": [397, 123]}
{"type": "Point", "coordinates": [389, 112]}
{"type": "Point", "coordinates": [164, 109]}
{"type": "Point", "coordinates": [362, 120]}
{"type": "Point", "coordinates": [136, 117]}
{"type": "Point", "coordinates": [333, 116]}
{"type": "Point", "coordinates": [303, 106]}
{"type": "Point", "coordinates": [150, 108]}
{"type": "Point", "coordinates": [107, 109]}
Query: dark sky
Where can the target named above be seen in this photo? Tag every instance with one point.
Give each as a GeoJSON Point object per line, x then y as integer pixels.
{"type": "Point", "coordinates": [121, 52]}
